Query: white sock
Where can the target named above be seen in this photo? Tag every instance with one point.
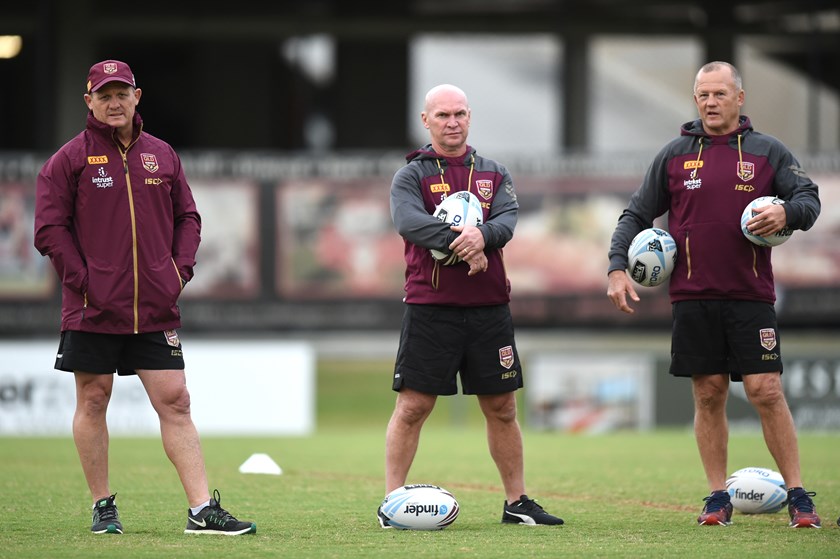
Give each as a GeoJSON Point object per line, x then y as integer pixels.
{"type": "Point", "coordinates": [196, 510]}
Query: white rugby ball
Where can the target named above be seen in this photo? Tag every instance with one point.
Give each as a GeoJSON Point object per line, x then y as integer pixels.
{"type": "Point", "coordinates": [420, 507]}
{"type": "Point", "coordinates": [459, 208]}
{"type": "Point", "coordinates": [757, 490]}
{"type": "Point", "coordinates": [651, 257]}
{"type": "Point", "coordinates": [773, 240]}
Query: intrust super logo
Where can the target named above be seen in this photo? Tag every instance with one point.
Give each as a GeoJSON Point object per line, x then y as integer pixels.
{"type": "Point", "coordinates": [102, 180]}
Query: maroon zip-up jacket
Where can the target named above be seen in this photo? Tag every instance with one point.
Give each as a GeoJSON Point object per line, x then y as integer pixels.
{"type": "Point", "coordinates": [121, 229]}
{"type": "Point", "coordinates": [704, 182]}
{"type": "Point", "coordinates": [416, 189]}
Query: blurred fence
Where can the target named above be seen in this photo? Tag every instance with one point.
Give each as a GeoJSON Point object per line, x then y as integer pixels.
{"type": "Point", "coordinates": [297, 242]}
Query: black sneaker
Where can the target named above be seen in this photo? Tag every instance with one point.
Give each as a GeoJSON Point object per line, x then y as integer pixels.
{"type": "Point", "coordinates": [383, 520]}
{"type": "Point", "coordinates": [528, 512]}
{"type": "Point", "coordinates": [106, 519]}
{"type": "Point", "coordinates": [803, 513]}
{"type": "Point", "coordinates": [718, 510]}
{"type": "Point", "coordinates": [213, 519]}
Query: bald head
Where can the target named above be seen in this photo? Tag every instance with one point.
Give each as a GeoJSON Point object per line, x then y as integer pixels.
{"type": "Point", "coordinates": [448, 90]}
{"type": "Point", "coordinates": [447, 117]}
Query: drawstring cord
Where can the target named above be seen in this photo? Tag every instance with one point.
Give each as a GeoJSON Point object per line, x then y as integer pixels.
{"type": "Point", "coordinates": [740, 156]}
{"type": "Point", "coordinates": [693, 174]}
{"type": "Point", "coordinates": [700, 154]}
{"type": "Point", "coordinates": [469, 179]}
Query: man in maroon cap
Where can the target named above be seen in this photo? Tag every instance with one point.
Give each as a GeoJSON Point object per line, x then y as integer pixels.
{"type": "Point", "coordinates": [116, 216]}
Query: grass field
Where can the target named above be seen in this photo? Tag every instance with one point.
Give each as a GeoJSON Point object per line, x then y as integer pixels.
{"type": "Point", "coordinates": [622, 495]}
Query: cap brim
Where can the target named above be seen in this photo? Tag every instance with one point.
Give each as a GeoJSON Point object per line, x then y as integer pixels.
{"type": "Point", "coordinates": [108, 80]}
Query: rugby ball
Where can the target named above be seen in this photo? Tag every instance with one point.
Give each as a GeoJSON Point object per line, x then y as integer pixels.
{"type": "Point", "coordinates": [420, 507]}
{"type": "Point", "coordinates": [651, 257]}
{"type": "Point", "coordinates": [459, 208]}
{"type": "Point", "coordinates": [757, 490]}
{"type": "Point", "coordinates": [773, 240]}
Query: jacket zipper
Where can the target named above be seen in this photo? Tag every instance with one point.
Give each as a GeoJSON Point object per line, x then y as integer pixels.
{"type": "Point", "coordinates": [177, 273]}
{"type": "Point", "coordinates": [133, 242]}
{"type": "Point", "coordinates": [687, 256]}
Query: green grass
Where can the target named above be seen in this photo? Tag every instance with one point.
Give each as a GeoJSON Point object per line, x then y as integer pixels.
{"type": "Point", "coordinates": [622, 495]}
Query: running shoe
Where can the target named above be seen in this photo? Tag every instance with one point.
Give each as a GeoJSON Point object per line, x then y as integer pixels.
{"type": "Point", "coordinates": [801, 508]}
{"type": "Point", "coordinates": [106, 519]}
{"type": "Point", "coordinates": [213, 519]}
{"type": "Point", "coordinates": [718, 510]}
{"type": "Point", "coordinates": [527, 511]}
{"type": "Point", "coordinates": [383, 520]}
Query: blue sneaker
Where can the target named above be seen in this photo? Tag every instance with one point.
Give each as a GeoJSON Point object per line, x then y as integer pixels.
{"type": "Point", "coordinates": [718, 510]}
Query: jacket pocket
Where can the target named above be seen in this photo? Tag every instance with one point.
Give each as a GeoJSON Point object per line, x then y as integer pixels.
{"type": "Point", "coordinates": [110, 294]}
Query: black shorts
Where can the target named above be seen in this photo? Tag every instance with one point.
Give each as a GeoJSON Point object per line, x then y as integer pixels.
{"type": "Point", "coordinates": [725, 337]}
{"type": "Point", "coordinates": [89, 352]}
{"type": "Point", "coordinates": [436, 343]}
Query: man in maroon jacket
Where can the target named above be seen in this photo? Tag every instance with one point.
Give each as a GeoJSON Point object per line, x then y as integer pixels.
{"type": "Point", "coordinates": [117, 218]}
{"type": "Point", "coordinates": [457, 319]}
{"type": "Point", "coordinates": [722, 287]}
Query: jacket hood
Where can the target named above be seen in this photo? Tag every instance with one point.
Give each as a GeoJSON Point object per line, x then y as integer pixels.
{"type": "Point", "coordinates": [427, 152]}
{"type": "Point", "coordinates": [695, 127]}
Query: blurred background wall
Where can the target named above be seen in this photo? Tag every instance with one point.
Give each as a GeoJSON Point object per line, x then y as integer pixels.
{"type": "Point", "coordinates": [291, 119]}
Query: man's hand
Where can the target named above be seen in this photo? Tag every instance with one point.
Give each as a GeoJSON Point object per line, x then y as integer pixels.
{"type": "Point", "coordinates": [477, 262]}
{"type": "Point", "coordinates": [618, 287]}
{"type": "Point", "coordinates": [769, 219]}
{"type": "Point", "coordinates": [469, 245]}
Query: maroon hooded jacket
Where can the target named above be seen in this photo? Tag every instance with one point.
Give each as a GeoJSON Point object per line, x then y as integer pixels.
{"type": "Point", "coordinates": [121, 229]}
{"type": "Point", "coordinates": [425, 180]}
{"type": "Point", "coordinates": [704, 182]}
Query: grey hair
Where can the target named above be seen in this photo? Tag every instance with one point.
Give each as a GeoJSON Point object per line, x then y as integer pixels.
{"type": "Point", "coordinates": [717, 65]}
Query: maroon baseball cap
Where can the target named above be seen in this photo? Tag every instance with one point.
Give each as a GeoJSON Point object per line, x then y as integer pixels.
{"type": "Point", "coordinates": [109, 71]}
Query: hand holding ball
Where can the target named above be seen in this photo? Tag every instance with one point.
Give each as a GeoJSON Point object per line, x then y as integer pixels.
{"type": "Point", "coordinates": [459, 208]}
{"type": "Point", "coordinates": [773, 240]}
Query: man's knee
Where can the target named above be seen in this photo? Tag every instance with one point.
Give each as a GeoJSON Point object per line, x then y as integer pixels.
{"type": "Point", "coordinates": [413, 407]}
{"type": "Point", "coordinates": [764, 390]}
{"type": "Point", "coordinates": [710, 391]}
{"type": "Point", "coordinates": [93, 397]}
{"type": "Point", "coordinates": [499, 407]}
